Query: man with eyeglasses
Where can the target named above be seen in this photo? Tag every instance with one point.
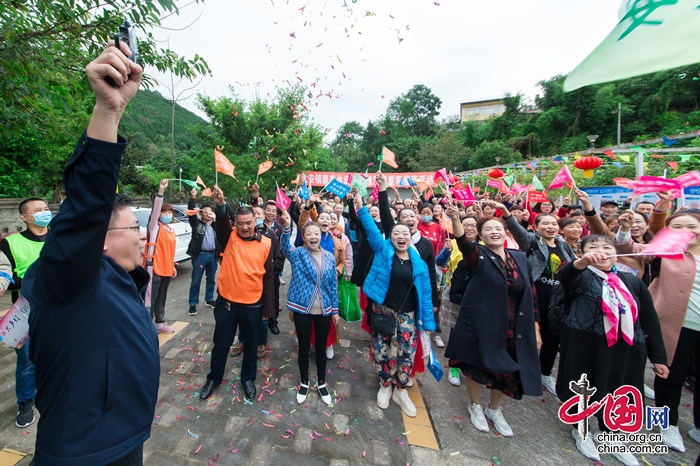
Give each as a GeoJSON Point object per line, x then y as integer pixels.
{"type": "Point", "coordinates": [93, 345]}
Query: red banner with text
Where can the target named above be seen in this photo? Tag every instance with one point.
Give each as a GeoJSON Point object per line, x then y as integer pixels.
{"type": "Point", "coordinates": [394, 180]}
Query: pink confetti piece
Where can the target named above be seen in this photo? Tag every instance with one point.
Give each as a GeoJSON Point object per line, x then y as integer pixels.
{"type": "Point", "coordinates": [290, 431]}
{"type": "Point", "coordinates": [234, 451]}
{"type": "Point", "coordinates": [327, 414]}
{"type": "Point", "coordinates": [398, 440]}
{"type": "Point", "coordinates": [326, 424]}
{"type": "Point", "coordinates": [312, 436]}
{"type": "Point", "coordinates": [285, 436]}
{"type": "Point", "coordinates": [260, 398]}
{"type": "Point", "coordinates": [268, 425]}
{"type": "Point", "coordinates": [294, 423]}
{"type": "Point", "coordinates": [364, 454]}
{"type": "Point", "coordinates": [317, 434]}
{"type": "Point", "coordinates": [197, 450]}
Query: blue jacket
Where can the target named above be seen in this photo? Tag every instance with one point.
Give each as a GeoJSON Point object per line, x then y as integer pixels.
{"type": "Point", "coordinates": [308, 281]}
{"type": "Point", "coordinates": [377, 281]}
{"type": "Point", "coordinates": [94, 346]}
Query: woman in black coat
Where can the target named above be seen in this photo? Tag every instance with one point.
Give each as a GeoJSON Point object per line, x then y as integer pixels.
{"type": "Point", "coordinates": [496, 337]}
{"type": "Point", "coordinates": [611, 347]}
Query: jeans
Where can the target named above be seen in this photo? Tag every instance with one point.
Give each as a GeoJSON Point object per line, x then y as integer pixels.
{"type": "Point", "coordinates": [204, 262]}
{"type": "Point", "coordinates": [322, 326]}
{"type": "Point", "coordinates": [25, 388]}
{"type": "Point", "coordinates": [262, 336]}
{"type": "Point", "coordinates": [227, 317]}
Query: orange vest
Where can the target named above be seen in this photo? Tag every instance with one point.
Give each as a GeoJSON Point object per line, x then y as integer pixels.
{"type": "Point", "coordinates": [164, 256]}
{"type": "Point", "coordinates": [243, 268]}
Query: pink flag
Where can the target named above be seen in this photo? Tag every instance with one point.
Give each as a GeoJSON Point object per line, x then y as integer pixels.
{"type": "Point", "coordinates": [503, 187]}
{"type": "Point", "coordinates": [375, 192]}
{"type": "Point", "coordinates": [349, 180]}
{"type": "Point", "coordinates": [671, 244]}
{"type": "Point", "coordinates": [653, 184]}
{"type": "Point", "coordinates": [518, 188]}
{"type": "Point", "coordinates": [463, 194]}
{"type": "Point", "coordinates": [442, 173]}
{"type": "Point", "coordinates": [281, 199]}
{"type": "Point", "coordinates": [493, 184]}
{"type": "Point", "coordinates": [562, 177]}
{"type": "Point", "coordinates": [685, 180]}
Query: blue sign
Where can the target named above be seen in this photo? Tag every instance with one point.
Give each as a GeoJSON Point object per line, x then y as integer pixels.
{"type": "Point", "coordinates": [336, 187]}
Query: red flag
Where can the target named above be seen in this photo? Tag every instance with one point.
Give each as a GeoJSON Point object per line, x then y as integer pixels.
{"type": "Point", "coordinates": [464, 194]}
{"type": "Point", "coordinates": [673, 165]}
{"type": "Point", "coordinates": [536, 196]}
{"type": "Point", "coordinates": [562, 177]}
{"type": "Point", "coordinates": [671, 244]}
{"type": "Point", "coordinates": [610, 154]}
{"type": "Point", "coordinates": [458, 184]}
{"type": "Point", "coordinates": [281, 199]}
{"type": "Point", "coordinates": [223, 165]}
{"type": "Point", "coordinates": [263, 167]}
{"type": "Point", "coordinates": [503, 187]}
{"type": "Point", "coordinates": [429, 194]}
{"type": "Point", "coordinates": [440, 174]}
{"type": "Point", "coordinates": [389, 158]}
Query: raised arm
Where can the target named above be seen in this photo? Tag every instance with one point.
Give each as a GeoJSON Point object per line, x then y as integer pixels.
{"type": "Point", "coordinates": [223, 224]}
{"type": "Point", "coordinates": [657, 219]}
{"type": "Point", "coordinates": [70, 259]}
{"type": "Point", "coordinates": [522, 236]}
{"type": "Point", "coordinates": [374, 236]}
{"type": "Point", "coordinates": [191, 205]}
{"type": "Point", "coordinates": [596, 225]}
{"type": "Point", "coordinates": [383, 197]}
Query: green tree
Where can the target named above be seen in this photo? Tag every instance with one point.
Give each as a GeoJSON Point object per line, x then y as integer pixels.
{"type": "Point", "coordinates": [445, 150]}
{"type": "Point", "coordinates": [416, 111]}
{"type": "Point", "coordinates": [487, 153]}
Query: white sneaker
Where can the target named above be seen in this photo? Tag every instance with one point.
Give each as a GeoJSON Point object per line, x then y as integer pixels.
{"type": "Point", "coordinates": [649, 392]}
{"type": "Point", "coordinates": [587, 448]}
{"type": "Point", "coordinates": [329, 352]}
{"type": "Point", "coordinates": [409, 383]}
{"type": "Point", "coordinates": [302, 393]}
{"type": "Point", "coordinates": [476, 415]}
{"type": "Point", "coordinates": [625, 458]}
{"type": "Point", "coordinates": [694, 433]}
{"type": "Point", "coordinates": [453, 378]}
{"type": "Point", "coordinates": [550, 384]}
{"type": "Point", "coordinates": [402, 399]}
{"type": "Point", "coordinates": [438, 341]}
{"type": "Point", "coordinates": [499, 422]}
{"type": "Point", "coordinates": [383, 396]}
{"type": "Point", "coordinates": [671, 437]}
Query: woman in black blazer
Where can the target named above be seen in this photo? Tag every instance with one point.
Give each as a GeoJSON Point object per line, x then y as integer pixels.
{"type": "Point", "coordinates": [496, 338]}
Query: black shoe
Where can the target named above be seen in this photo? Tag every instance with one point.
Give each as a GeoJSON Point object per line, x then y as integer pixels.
{"type": "Point", "coordinates": [207, 389]}
{"type": "Point", "coordinates": [249, 389]}
{"type": "Point", "coordinates": [193, 310]}
{"type": "Point", "coordinates": [210, 304]}
{"type": "Point", "coordinates": [690, 383]}
{"type": "Point", "coordinates": [274, 329]}
{"type": "Point", "coordinates": [25, 414]}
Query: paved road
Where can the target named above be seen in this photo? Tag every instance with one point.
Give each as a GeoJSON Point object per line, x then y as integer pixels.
{"type": "Point", "coordinates": [232, 432]}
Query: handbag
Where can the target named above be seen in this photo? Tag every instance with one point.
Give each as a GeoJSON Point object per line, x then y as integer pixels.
{"type": "Point", "coordinates": [383, 319]}
{"type": "Point", "coordinates": [348, 304]}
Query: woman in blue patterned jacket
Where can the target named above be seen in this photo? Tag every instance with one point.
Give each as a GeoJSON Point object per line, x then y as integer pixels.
{"type": "Point", "coordinates": [399, 285]}
{"type": "Point", "coordinates": [313, 298]}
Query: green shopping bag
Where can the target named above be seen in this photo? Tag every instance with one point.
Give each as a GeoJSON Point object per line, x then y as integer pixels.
{"type": "Point", "coordinates": [348, 304]}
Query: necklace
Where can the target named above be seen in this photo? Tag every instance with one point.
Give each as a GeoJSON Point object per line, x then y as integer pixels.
{"type": "Point", "coordinates": [403, 260]}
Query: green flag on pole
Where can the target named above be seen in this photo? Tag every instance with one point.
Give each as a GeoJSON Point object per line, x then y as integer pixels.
{"type": "Point", "coordinates": [537, 184]}
{"type": "Point", "coordinates": [652, 35]}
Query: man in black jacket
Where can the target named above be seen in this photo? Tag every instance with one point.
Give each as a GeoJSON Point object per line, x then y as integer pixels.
{"type": "Point", "coordinates": [93, 345]}
{"type": "Point", "coordinates": [204, 251]}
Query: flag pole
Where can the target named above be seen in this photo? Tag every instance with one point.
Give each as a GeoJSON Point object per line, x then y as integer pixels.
{"type": "Point", "coordinates": [380, 165]}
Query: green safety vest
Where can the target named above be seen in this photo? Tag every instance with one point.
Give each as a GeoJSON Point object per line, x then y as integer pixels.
{"type": "Point", "coordinates": [24, 251]}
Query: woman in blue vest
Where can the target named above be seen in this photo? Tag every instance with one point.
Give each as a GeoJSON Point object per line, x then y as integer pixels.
{"type": "Point", "coordinates": [399, 285]}
{"type": "Point", "coordinates": [313, 298]}
{"type": "Point", "coordinates": [496, 337]}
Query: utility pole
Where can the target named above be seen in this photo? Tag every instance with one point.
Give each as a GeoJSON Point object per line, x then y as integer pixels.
{"type": "Point", "coordinates": [619, 122]}
{"type": "Point", "coordinates": [180, 180]}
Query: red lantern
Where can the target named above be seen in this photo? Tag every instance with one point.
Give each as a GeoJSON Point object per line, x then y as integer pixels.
{"type": "Point", "coordinates": [588, 164]}
{"type": "Point", "coordinates": [496, 173]}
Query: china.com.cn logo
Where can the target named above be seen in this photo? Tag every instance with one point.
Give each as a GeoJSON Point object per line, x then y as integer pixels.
{"type": "Point", "coordinates": [623, 409]}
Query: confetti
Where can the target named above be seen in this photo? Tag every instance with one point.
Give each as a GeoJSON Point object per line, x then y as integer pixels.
{"type": "Point", "coordinates": [290, 431]}
{"type": "Point", "coordinates": [193, 435]}
{"type": "Point", "coordinates": [406, 433]}
{"type": "Point", "coordinates": [197, 450]}
{"type": "Point", "coordinates": [234, 451]}
{"type": "Point", "coordinates": [364, 454]}
{"type": "Point", "coordinates": [268, 425]}
{"type": "Point", "coordinates": [326, 424]}
{"type": "Point", "coordinates": [327, 414]}
{"type": "Point", "coordinates": [285, 436]}
{"type": "Point", "coordinates": [455, 453]}
{"type": "Point", "coordinates": [460, 418]}
{"type": "Point", "coordinates": [564, 449]}
{"type": "Point", "coordinates": [398, 440]}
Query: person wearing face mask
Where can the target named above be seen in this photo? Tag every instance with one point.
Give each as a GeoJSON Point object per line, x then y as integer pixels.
{"type": "Point", "coordinates": [204, 251]}
{"type": "Point", "coordinates": [20, 251]}
{"type": "Point", "coordinates": [430, 229]}
{"type": "Point", "coordinates": [609, 330]}
{"type": "Point", "coordinates": [546, 253]}
{"type": "Point", "coordinates": [496, 336]}
{"type": "Point", "coordinates": [398, 284]}
{"type": "Point", "coordinates": [312, 298]}
{"type": "Point", "coordinates": [676, 294]}
{"type": "Point", "coordinates": [335, 246]}
{"type": "Point", "coordinates": [160, 258]}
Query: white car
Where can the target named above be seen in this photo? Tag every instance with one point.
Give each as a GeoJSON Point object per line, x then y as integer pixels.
{"type": "Point", "coordinates": [183, 231]}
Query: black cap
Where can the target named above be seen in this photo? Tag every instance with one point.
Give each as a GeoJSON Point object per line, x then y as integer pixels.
{"type": "Point", "coordinates": [602, 203]}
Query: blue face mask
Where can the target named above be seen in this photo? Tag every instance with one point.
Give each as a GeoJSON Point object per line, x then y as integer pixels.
{"type": "Point", "coordinates": [259, 222]}
{"type": "Point", "coordinates": [42, 219]}
{"type": "Point", "coordinates": [426, 219]}
{"type": "Point", "coordinates": [166, 218]}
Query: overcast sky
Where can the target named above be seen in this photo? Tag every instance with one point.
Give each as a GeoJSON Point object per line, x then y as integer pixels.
{"type": "Point", "coordinates": [461, 49]}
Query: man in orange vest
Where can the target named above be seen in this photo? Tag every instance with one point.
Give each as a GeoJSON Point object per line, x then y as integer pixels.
{"type": "Point", "coordinates": [246, 293]}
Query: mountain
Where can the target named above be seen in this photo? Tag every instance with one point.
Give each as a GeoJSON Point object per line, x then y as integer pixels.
{"type": "Point", "coordinates": [148, 119]}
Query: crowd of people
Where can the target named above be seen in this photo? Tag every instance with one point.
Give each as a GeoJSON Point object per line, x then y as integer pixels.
{"type": "Point", "coordinates": [480, 279]}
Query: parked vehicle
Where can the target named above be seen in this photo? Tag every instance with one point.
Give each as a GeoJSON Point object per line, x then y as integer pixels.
{"type": "Point", "coordinates": [183, 231]}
